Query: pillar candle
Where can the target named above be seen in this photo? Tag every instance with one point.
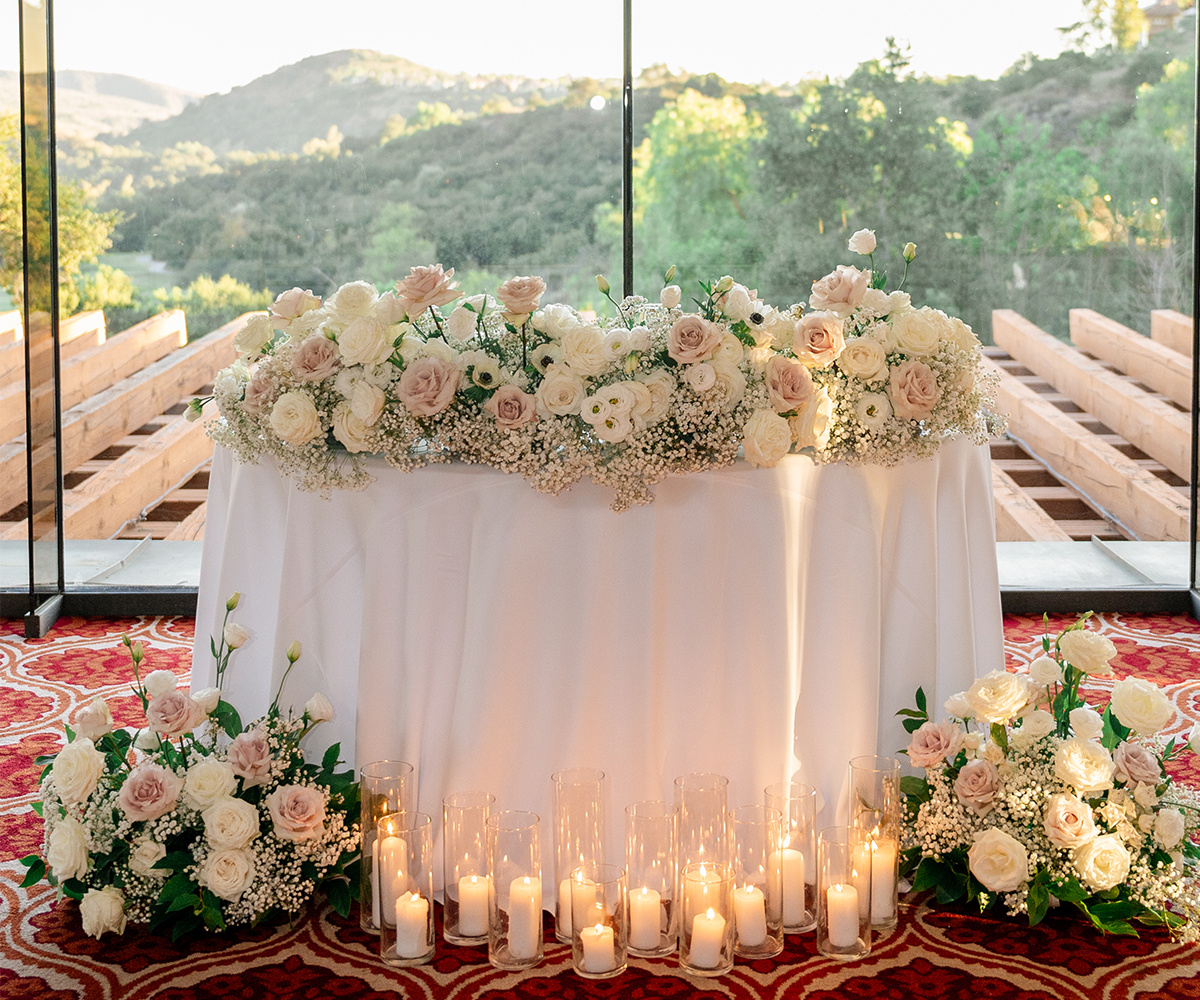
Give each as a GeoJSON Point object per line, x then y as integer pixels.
{"type": "Point", "coordinates": [708, 935]}
{"type": "Point", "coordinates": [750, 915]}
{"type": "Point", "coordinates": [473, 906]}
{"type": "Point", "coordinates": [524, 917]}
{"type": "Point", "coordinates": [791, 862]}
{"type": "Point", "coordinates": [645, 919]}
{"type": "Point", "coordinates": [412, 925]}
{"type": "Point", "coordinates": [841, 907]}
{"type": "Point", "coordinates": [883, 881]}
{"type": "Point", "coordinates": [599, 950]}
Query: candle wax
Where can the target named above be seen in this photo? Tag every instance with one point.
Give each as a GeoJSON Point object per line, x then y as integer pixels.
{"type": "Point", "coordinates": [412, 925]}
{"type": "Point", "coordinates": [750, 915]}
{"type": "Point", "coordinates": [645, 919]}
{"type": "Point", "coordinates": [841, 905]}
{"type": "Point", "coordinates": [524, 917]}
{"type": "Point", "coordinates": [708, 935]}
{"type": "Point", "coordinates": [599, 949]}
{"type": "Point", "coordinates": [473, 905]}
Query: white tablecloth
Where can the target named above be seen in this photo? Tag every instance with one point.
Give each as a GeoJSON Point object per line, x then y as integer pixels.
{"type": "Point", "coordinates": [755, 623]}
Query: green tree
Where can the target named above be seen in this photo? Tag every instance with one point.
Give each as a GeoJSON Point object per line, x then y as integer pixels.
{"type": "Point", "coordinates": [1115, 23]}
{"type": "Point", "coordinates": [210, 303]}
{"type": "Point", "coordinates": [395, 245]}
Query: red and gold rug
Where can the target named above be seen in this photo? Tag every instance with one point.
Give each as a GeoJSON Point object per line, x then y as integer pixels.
{"type": "Point", "coordinates": [44, 954]}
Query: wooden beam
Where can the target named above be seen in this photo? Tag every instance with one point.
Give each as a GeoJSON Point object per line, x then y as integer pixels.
{"type": "Point", "coordinates": [1146, 506]}
{"type": "Point", "coordinates": [1018, 517]}
{"type": "Point", "coordinates": [1158, 367]}
{"type": "Point", "coordinates": [11, 327]}
{"type": "Point", "coordinates": [76, 334]}
{"type": "Point", "coordinates": [1145, 421]}
{"type": "Point", "coordinates": [105, 419]}
{"type": "Point", "coordinates": [104, 503]}
{"type": "Point", "coordinates": [99, 367]}
{"type": "Point", "coordinates": [191, 528]}
{"type": "Point", "coordinates": [1172, 329]}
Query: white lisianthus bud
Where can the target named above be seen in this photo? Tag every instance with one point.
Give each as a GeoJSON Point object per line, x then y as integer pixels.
{"type": "Point", "coordinates": [147, 739]}
{"type": "Point", "coordinates": [318, 708]}
{"type": "Point", "coordinates": [207, 699]}
{"type": "Point", "coordinates": [863, 242]}
{"type": "Point", "coordinates": [670, 296]}
{"type": "Point", "coordinates": [233, 600]}
{"type": "Point", "coordinates": [910, 252]}
{"type": "Point", "coordinates": [293, 651]}
{"type": "Point", "coordinates": [195, 410]}
{"type": "Point", "coordinates": [602, 284]}
{"type": "Point", "coordinates": [670, 273]}
{"type": "Point", "coordinates": [236, 635]}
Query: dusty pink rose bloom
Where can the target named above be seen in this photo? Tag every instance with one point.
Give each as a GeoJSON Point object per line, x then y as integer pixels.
{"type": "Point", "coordinates": [292, 303]}
{"type": "Point", "coordinates": [173, 713]}
{"type": "Point", "coordinates": [842, 290]}
{"type": "Point", "coordinates": [150, 791]}
{"type": "Point", "coordinates": [914, 390]}
{"type": "Point", "coordinates": [316, 359]}
{"type": "Point", "coordinates": [693, 338]}
{"type": "Point", "coordinates": [250, 758]}
{"type": "Point", "coordinates": [789, 385]}
{"type": "Point", "coordinates": [428, 385]}
{"type": "Point", "coordinates": [298, 812]}
{"type": "Point", "coordinates": [426, 286]}
{"type": "Point", "coordinates": [819, 340]}
{"type": "Point", "coordinates": [521, 296]}
{"type": "Point", "coordinates": [511, 407]}
{"type": "Point", "coordinates": [935, 742]}
{"type": "Point", "coordinates": [1137, 764]}
{"type": "Point", "coordinates": [976, 786]}
{"type": "Point", "coordinates": [258, 396]}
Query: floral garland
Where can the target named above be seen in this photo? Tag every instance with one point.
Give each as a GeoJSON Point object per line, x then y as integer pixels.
{"type": "Point", "coordinates": [1073, 805]}
{"type": "Point", "coordinates": [556, 396]}
{"type": "Point", "coordinates": [194, 821]}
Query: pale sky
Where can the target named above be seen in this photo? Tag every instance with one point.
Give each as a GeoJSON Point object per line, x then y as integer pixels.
{"type": "Point", "coordinates": [219, 44]}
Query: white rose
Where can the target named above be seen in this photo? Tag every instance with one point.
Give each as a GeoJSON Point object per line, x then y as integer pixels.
{"type": "Point", "coordinates": [76, 770]}
{"type": "Point", "coordinates": [639, 338]}
{"type": "Point", "coordinates": [1102, 863]}
{"type": "Point", "coordinates": [318, 708]}
{"type": "Point", "coordinates": [236, 635]}
{"type": "Point", "coordinates": [915, 333]}
{"type": "Point", "coordinates": [254, 336]}
{"type": "Point", "coordinates": [1038, 724]}
{"type": "Point", "coordinates": [102, 910]}
{"type": "Point", "coordinates": [147, 739]}
{"type": "Point", "coordinates": [67, 850]}
{"type": "Point", "coordinates": [294, 418]}
{"type": "Point", "coordinates": [998, 696]}
{"type": "Point", "coordinates": [555, 320]}
{"type": "Point", "coordinates": [876, 301]}
{"type": "Point", "coordinates": [700, 376]}
{"type": "Point", "coordinates": [1194, 738]}
{"type": "Point", "coordinates": [461, 323]}
{"type": "Point", "coordinates": [864, 358]}
{"type": "Point", "coordinates": [958, 707]}
{"type": "Point", "coordinates": [160, 682]}
{"type": "Point", "coordinates": [1141, 706]}
{"type": "Point", "coordinates": [1045, 671]}
{"type": "Point", "coordinates": [349, 429]}
{"type": "Point", "coordinates": [812, 424]}
{"type": "Point", "coordinates": [766, 438]}
{"type": "Point", "coordinates": [1088, 651]}
{"type": "Point", "coordinates": [207, 699]}
{"type": "Point", "coordinates": [146, 853]}
{"type": "Point", "coordinates": [729, 351]}
{"type": "Point", "coordinates": [207, 781]}
{"type": "Point", "coordinates": [1145, 795]}
{"type": "Point", "coordinates": [738, 305]}
{"type": "Point", "coordinates": [94, 719]}
{"type": "Point", "coordinates": [730, 380]}
{"type": "Point", "coordinates": [1086, 723]}
{"type": "Point", "coordinates": [230, 823]}
{"type": "Point", "coordinates": [1168, 828]}
{"type": "Point", "coordinates": [662, 385]}
{"type": "Point", "coordinates": [962, 336]}
{"type": "Point", "coordinates": [1084, 765]}
{"type": "Point", "coordinates": [561, 393]}
{"type": "Point", "coordinates": [998, 860]}
{"type": "Point", "coordinates": [366, 402]}
{"type": "Point", "coordinates": [227, 873]}
{"type": "Point", "coordinates": [366, 341]}
{"type": "Point", "coordinates": [862, 242]}
{"type": "Point", "coordinates": [583, 351]}
{"type": "Point", "coordinates": [1068, 821]}
{"type": "Point", "coordinates": [670, 296]}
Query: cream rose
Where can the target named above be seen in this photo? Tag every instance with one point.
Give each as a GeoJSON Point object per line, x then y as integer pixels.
{"type": "Point", "coordinates": [1038, 724]}
{"type": "Point", "coordinates": [701, 376]}
{"type": "Point", "coordinates": [1136, 764]}
{"type": "Point", "coordinates": [729, 351]}
{"type": "Point", "coordinates": [917, 332]}
{"type": "Point", "coordinates": [583, 350]}
{"type": "Point", "coordinates": [819, 339]}
{"type": "Point", "coordinates": [662, 385]}
{"type": "Point", "coordinates": [365, 341]}
{"type": "Point", "coordinates": [977, 785]}
{"type": "Point", "coordinates": [670, 296]}
{"type": "Point", "coordinates": [76, 771]}
{"type": "Point", "coordinates": [934, 742]}
{"type": "Point", "coordinates": [998, 696]}
{"type": "Point", "coordinates": [428, 386]}
{"type": "Point", "coordinates": [692, 338]}
{"type": "Point", "coordinates": [230, 823]}
{"type": "Point", "coordinates": [102, 910]}
{"type": "Point", "coordinates": [1102, 863]}
{"type": "Point", "coordinates": [1169, 828]}
{"type": "Point", "coordinates": [207, 781]}
{"type": "Point", "coordinates": [350, 431]}
{"type": "Point", "coordinates": [250, 340]}
{"type": "Point", "coordinates": [511, 407]}
{"type": "Point", "coordinates": [146, 853]}
{"type": "Point", "coordinates": [865, 359]}
{"type": "Point", "coordinates": [318, 708]}
{"type": "Point", "coordinates": [555, 320]}
{"type": "Point", "coordinates": [521, 295]}
{"type": "Point", "coordinates": [561, 393]}
{"type": "Point", "coordinates": [811, 426]}
{"type": "Point", "coordinates": [159, 682]}
{"type": "Point", "coordinates": [1068, 821]}
{"type": "Point", "coordinates": [841, 290]}
{"type": "Point", "coordinates": [766, 438]}
{"type": "Point", "coordinates": [737, 304]}
{"type": "Point", "coordinates": [352, 300]}
{"type": "Point", "coordinates": [789, 384]}
{"type": "Point", "coordinates": [1086, 723]}
{"type": "Point", "coordinates": [298, 812]}
{"type": "Point", "coordinates": [291, 304]}
{"type": "Point", "coordinates": [1084, 765]}
{"type": "Point", "coordinates": [94, 719]}
{"type": "Point", "coordinates": [150, 790]}
{"type": "Point", "coordinates": [67, 850]}
{"type": "Point", "coordinates": [426, 286]}
{"type": "Point", "coordinates": [730, 380]}
{"type": "Point", "coordinates": [1045, 671]}
{"type": "Point", "coordinates": [294, 418]}
{"type": "Point", "coordinates": [227, 873]}
{"type": "Point", "coordinates": [862, 242]}
{"type": "Point", "coordinates": [998, 860]}
{"type": "Point", "coordinates": [913, 390]}
{"type": "Point", "coordinates": [958, 707]}
{"type": "Point", "coordinates": [1141, 706]}
{"type": "Point", "coordinates": [1088, 651]}
{"type": "Point", "coordinates": [316, 359]}
{"type": "Point", "coordinates": [250, 758]}
{"type": "Point", "coordinates": [461, 323]}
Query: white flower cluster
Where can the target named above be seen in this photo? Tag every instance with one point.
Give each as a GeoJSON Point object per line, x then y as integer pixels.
{"type": "Point", "coordinates": [1048, 788]}
{"type": "Point", "coordinates": [552, 394]}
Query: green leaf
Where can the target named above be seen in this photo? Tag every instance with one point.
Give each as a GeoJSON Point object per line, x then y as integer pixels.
{"type": "Point", "coordinates": [228, 719]}
{"type": "Point", "coordinates": [1070, 891]}
{"type": "Point", "coordinates": [911, 713]}
{"type": "Point", "coordinates": [174, 861]}
{"type": "Point", "coordinates": [337, 891]}
{"type": "Point", "coordinates": [1114, 732]}
{"type": "Point", "coordinates": [37, 807]}
{"type": "Point", "coordinates": [921, 702]}
{"type": "Point", "coordinates": [912, 725]}
{"type": "Point", "coordinates": [185, 902]}
{"type": "Point", "coordinates": [185, 925]}
{"type": "Point", "coordinates": [330, 760]}
{"type": "Point", "coordinates": [37, 871]}
{"type": "Point", "coordinates": [176, 885]}
{"type": "Point", "coordinates": [1000, 736]}
{"type": "Point", "coordinates": [916, 788]}
{"type": "Point", "coordinates": [1038, 899]}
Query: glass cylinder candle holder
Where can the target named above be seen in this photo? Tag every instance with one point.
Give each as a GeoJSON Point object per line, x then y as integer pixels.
{"type": "Point", "coordinates": [701, 804]}
{"type": "Point", "coordinates": [514, 851]}
{"type": "Point", "coordinates": [797, 858]}
{"type": "Point", "coordinates": [578, 834]}
{"type": "Point", "coordinates": [706, 937]}
{"type": "Point", "coordinates": [405, 853]}
{"type": "Point", "coordinates": [875, 809]}
{"type": "Point", "coordinates": [599, 921]}
{"type": "Point", "coordinates": [757, 880]}
{"type": "Point", "coordinates": [386, 787]}
{"type": "Point", "coordinates": [651, 874]}
{"type": "Point", "coordinates": [843, 893]}
{"type": "Point", "coordinates": [465, 867]}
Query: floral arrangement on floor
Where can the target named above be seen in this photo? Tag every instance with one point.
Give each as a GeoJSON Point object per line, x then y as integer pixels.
{"type": "Point", "coordinates": [195, 821]}
{"type": "Point", "coordinates": [1032, 795]}
{"type": "Point", "coordinates": [556, 396]}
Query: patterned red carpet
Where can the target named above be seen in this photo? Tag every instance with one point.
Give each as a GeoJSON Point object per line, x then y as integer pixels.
{"type": "Point", "coordinates": [44, 954]}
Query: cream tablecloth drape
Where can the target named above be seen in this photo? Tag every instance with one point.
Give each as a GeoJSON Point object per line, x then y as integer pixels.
{"type": "Point", "coordinates": [756, 623]}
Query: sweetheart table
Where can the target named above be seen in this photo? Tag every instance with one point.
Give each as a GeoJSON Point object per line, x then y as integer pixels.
{"type": "Point", "coordinates": [758, 623]}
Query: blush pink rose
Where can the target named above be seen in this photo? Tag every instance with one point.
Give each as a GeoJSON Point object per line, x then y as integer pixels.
{"type": "Point", "coordinates": [789, 385]}
{"type": "Point", "coordinates": [259, 394]}
{"type": "Point", "coordinates": [935, 742]}
{"type": "Point", "coordinates": [298, 812]}
{"type": "Point", "coordinates": [521, 296]}
{"type": "Point", "coordinates": [316, 359]}
{"type": "Point", "coordinates": [150, 791]}
{"type": "Point", "coordinates": [292, 303]}
{"type": "Point", "coordinates": [511, 407]}
{"type": "Point", "coordinates": [1137, 764]}
{"type": "Point", "coordinates": [426, 286]}
{"type": "Point", "coordinates": [173, 713]}
{"type": "Point", "coordinates": [819, 339]}
{"type": "Point", "coordinates": [914, 390]}
{"type": "Point", "coordinates": [841, 290]}
{"type": "Point", "coordinates": [976, 786]}
{"type": "Point", "coordinates": [428, 385]}
{"type": "Point", "coordinates": [693, 338]}
{"type": "Point", "coordinates": [250, 758]}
